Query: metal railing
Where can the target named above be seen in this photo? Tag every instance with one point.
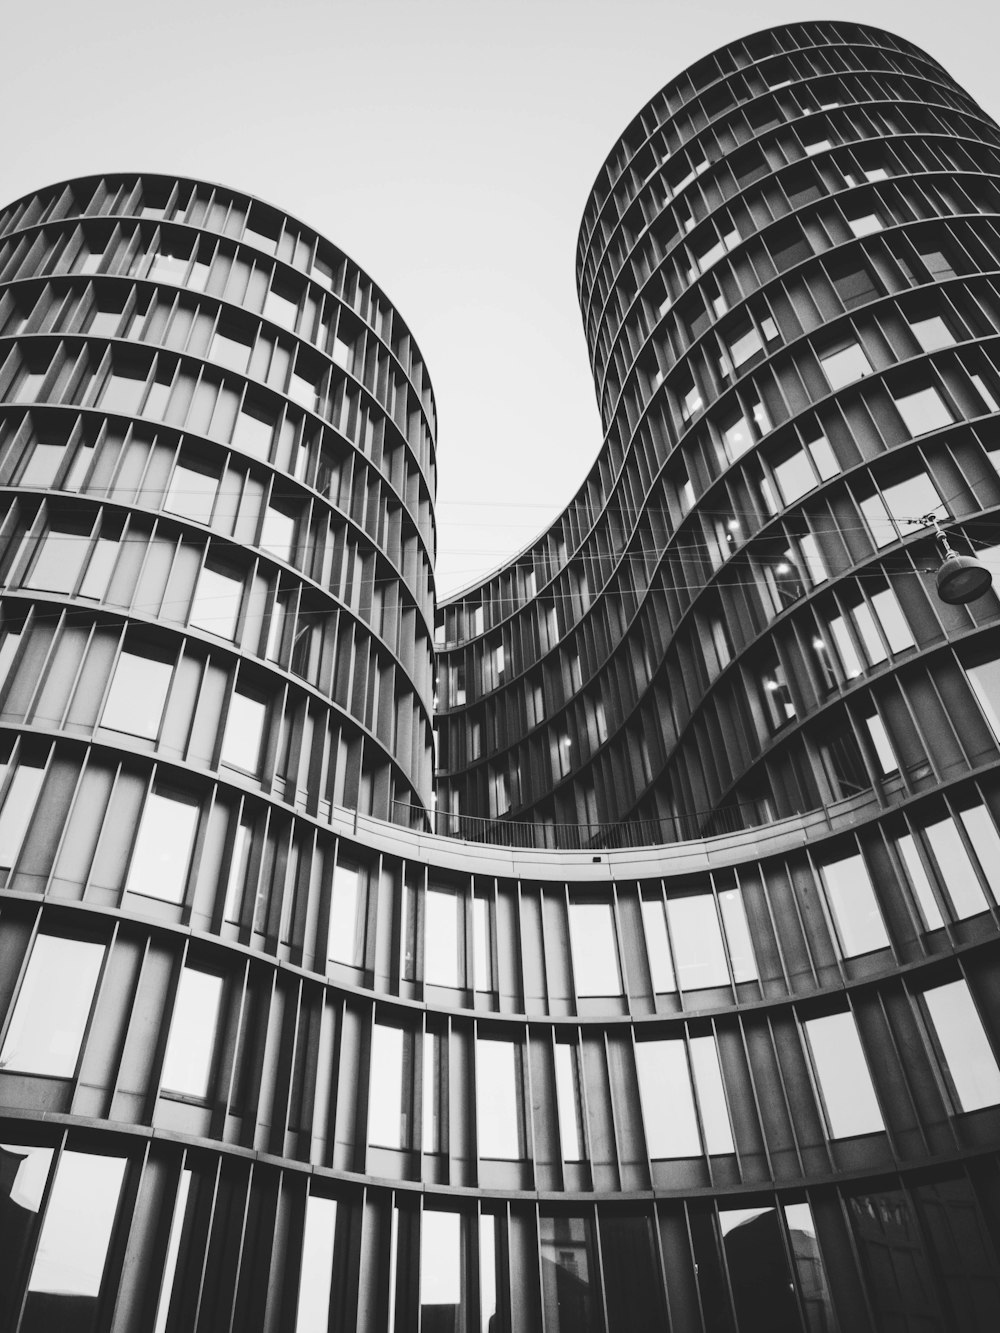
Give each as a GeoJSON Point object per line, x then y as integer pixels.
{"type": "Point", "coordinates": [583, 837]}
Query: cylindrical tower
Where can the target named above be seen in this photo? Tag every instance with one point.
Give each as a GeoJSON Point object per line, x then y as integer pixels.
{"type": "Point", "coordinates": [272, 1064]}
{"type": "Point", "coordinates": [787, 276]}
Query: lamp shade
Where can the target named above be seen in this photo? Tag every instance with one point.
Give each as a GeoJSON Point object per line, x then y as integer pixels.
{"type": "Point", "coordinates": [962, 578]}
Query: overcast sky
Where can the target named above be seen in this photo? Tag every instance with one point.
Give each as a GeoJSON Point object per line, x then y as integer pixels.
{"type": "Point", "coordinates": [447, 145]}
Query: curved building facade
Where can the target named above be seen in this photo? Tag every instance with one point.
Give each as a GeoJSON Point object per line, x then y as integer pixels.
{"type": "Point", "coordinates": [273, 1056]}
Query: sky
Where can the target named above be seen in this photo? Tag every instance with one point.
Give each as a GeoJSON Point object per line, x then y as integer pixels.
{"type": "Point", "coordinates": [448, 146]}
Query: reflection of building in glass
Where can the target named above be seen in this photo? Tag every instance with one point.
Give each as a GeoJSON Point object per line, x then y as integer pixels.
{"type": "Point", "coordinates": [276, 1056]}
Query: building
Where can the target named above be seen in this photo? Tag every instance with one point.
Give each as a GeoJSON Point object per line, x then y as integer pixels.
{"type": "Point", "coordinates": [696, 1024]}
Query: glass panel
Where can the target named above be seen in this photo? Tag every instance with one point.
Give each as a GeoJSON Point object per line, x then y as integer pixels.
{"type": "Point", "coordinates": [711, 1095]}
{"type": "Point", "coordinates": [53, 1007]}
{"type": "Point", "coordinates": [388, 1121]}
{"type": "Point", "coordinates": [595, 960]}
{"type": "Point", "coordinates": [633, 1292]}
{"type": "Point", "coordinates": [568, 1101]}
{"type": "Point", "coordinates": [216, 604]}
{"type": "Point", "coordinates": [488, 1321]}
{"type": "Point", "coordinates": [441, 1272]}
{"type": "Point", "coordinates": [191, 493]}
{"type": "Point", "coordinates": [968, 1055]}
{"type": "Point", "coordinates": [923, 410]}
{"type": "Point", "coordinates": [921, 885]}
{"type": "Point", "coordinates": [497, 1094]}
{"type": "Point", "coordinates": [982, 833]}
{"type": "Point", "coordinates": [985, 680]}
{"type": "Point", "coordinates": [316, 1268]}
{"type": "Point", "coordinates": [430, 1118]}
{"type": "Point", "coordinates": [482, 962]}
{"type": "Point", "coordinates": [58, 561]}
{"type": "Point", "coordinates": [137, 695]}
{"type": "Point", "coordinates": [899, 1279]}
{"type": "Point", "coordinates": [187, 1064]}
{"type": "Point", "coordinates": [569, 1302]}
{"type": "Point", "coordinates": [18, 807]}
{"type": "Point", "coordinates": [881, 744]}
{"type": "Point", "coordinates": [278, 534]}
{"type": "Point", "coordinates": [759, 1275]}
{"type": "Point", "coordinates": [343, 940]}
{"type": "Point", "coordinates": [73, 1245]}
{"type": "Point", "coordinates": [955, 870]}
{"type": "Point", "coordinates": [734, 919]}
{"type": "Point", "coordinates": [24, 1173]}
{"type": "Point", "coordinates": [173, 1249]}
{"type": "Point", "coordinates": [846, 365]}
{"type": "Point", "coordinates": [698, 952]}
{"type": "Point", "coordinates": [244, 732]}
{"type": "Point", "coordinates": [443, 929]}
{"type": "Point", "coordinates": [813, 1290]}
{"type": "Point", "coordinates": [855, 910]}
{"type": "Point", "coordinates": [667, 1102]}
{"type": "Point", "coordinates": [162, 851]}
{"type": "Point", "coordinates": [661, 967]}
{"type": "Point", "coordinates": [842, 1072]}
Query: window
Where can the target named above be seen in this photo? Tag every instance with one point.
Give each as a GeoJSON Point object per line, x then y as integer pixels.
{"type": "Point", "coordinates": [43, 464]}
{"type": "Point", "coordinates": [192, 493]}
{"type": "Point", "coordinates": [389, 1090]}
{"type": "Point", "coordinates": [889, 515]}
{"type": "Point", "coordinates": [244, 732]}
{"type": "Point", "coordinates": [932, 333]}
{"type": "Point", "coordinates": [592, 939]}
{"type": "Point", "coordinates": [699, 954]}
{"type": "Point", "coordinates": [137, 695]}
{"type": "Point", "coordinates": [282, 303]}
{"type": "Point", "coordinates": [444, 931]}
{"type": "Point", "coordinates": [845, 1083]}
{"type": "Point", "coordinates": [881, 744]}
{"type": "Point", "coordinates": [711, 1092]}
{"type": "Point", "coordinates": [441, 1271]}
{"type": "Point", "coordinates": [170, 264]}
{"type": "Point", "coordinates": [254, 430]}
{"type": "Point", "coordinates": [345, 932]}
{"type": "Point", "coordinates": [498, 1115]}
{"type": "Point", "coordinates": [74, 1241]}
{"type": "Point", "coordinates": [162, 851]}
{"type": "Point", "coordinates": [737, 436]}
{"type": "Point", "coordinates": [53, 1007]}
{"type": "Point", "coordinates": [957, 873]}
{"type": "Point", "coordinates": [567, 1265]}
{"type": "Point", "coordinates": [923, 410]}
{"type": "Point", "coordinates": [865, 224]}
{"type": "Point", "coordinates": [853, 905]}
{"type": "Point", "coordinates": [277, 535]}
{"type": "Point", "coordinates": [667, 1099]}
{"type": "Point", "coordinates": [19, 804]}
{"type": "Point", "coordinates": [187, 1063]}
{"type": "Point", "coordinates": [316, 1271]}
{"type": "Point", "coordinates": [231, 348]}
{"type": "Point", "coordinates": [482, 955]}
{"type": "Point", "coordinates": [216, 604]}
{"type": "Point", "coordinates": [985, 682]}
{"type": "Point", "coordinates": [804, 469]}
{"type": "Point", "coordinates": [59, 558]}
{"type": "Point", "coordinates": [568, 1102]}
{"type": "Point", "coordinates": [124, 388]}
{"type": "Point", "coordinates": [967, 1056]}
{"type": "Point", "coordinates": [844, 365]}
{"type": "Point", "coordinates": [854, 284]}
{"type": "Point", "coordinates": [776, 697]}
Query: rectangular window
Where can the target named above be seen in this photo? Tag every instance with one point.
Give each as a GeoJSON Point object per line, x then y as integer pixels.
{"type": "Point", "coordinates": [137, 696]}
{"type": "Point", "coordinates": [53, 1007]}
{"type": "Point", "coordinates": [441, 1267]}
{"type": "Point", "coordinates": [388, 1096]}
{"type": "Point", "coordinates": [254, 430]}
{"type": "Point", "coordinates": [661, 967]}
{"type": "Point", "coordinates": [216, 604]}
{"type": "Point", "coordinates": [845, 1083]}
{"type": "Point", "coordinates": [958, 875]}
{"type": "Point", "coordinates": [919, 882]}
{"type": "Point", "coordinates": [192, 493]}
{"type": "Point", "coordinates": [162, 852]}
{"type": "Point", "coordinates": [59, 559]}
{"type": "Point", "coordinates": [187, 1064]}
{"type": "Point", "coordinates": [244, 735]}
{"type": "Point", "coordinates": [969, 1060]}
{"type": "Point", "coordinates": [74, 1241]}
{"type": "Point", "coordinates": [698, 949]}
{"type": "Point", "coordinates": [923, 410]}
{"type": "Point", "coordinates": [568, 1102]}
{"type": "Point", "coordinates": [124, 390]}
{"type": "Point", "coordinates": [932, 333]}
{"type": "Point", "coordinates": [344, 942]}
{"type": "Point", "coordinates": [482, 957]}
{"type": "Point", "coordinates": [844, 365]}
{"type": "Point", "coordinates": [277, 534]}
{"type": "Point", "coordinates": [18, 807]}
{"type": "Point", "coordinates": [853, 906]}
{"type": "Point", "coordinates": [231, 350]}
{"type": "Point", "coordinates": [316, 1268]}
{"type": "Point", "coordinates": [711, 1095]}
{"type": "Point", "coordinates": [865, 224]}
{"type": "Point", "coordinates": [444, 929]}
{"type": "Point", "coordinates": [734, 918]}
{"type": "Point", "coordinates": [665, 1093]}
{"type": "Point", "coordinates": [498, 1116]}
{"type": "Point", "coordinates": [595, 958]}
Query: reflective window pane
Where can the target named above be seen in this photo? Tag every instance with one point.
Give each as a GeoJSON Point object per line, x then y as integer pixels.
{"type": "Point", "coordinates": [173, 1250]}
{"type": "Point", "coordinates": [137, 695]}
{"type": "Point", "coordinates": [956, 869]}
{"type": "Point", "coordinates": [388, 1101]}
{"type": "Point", "coordinates": [316, 1269]}
{"type": "Point", "coordinates": [711, 1095]}
{"type": "Point", "coordinates": [807, 1260]}
{"type": "Point", "coordinates": [18, 807]}
{"type": "Point", "coordinates": [76, 1233]}
{"type": "Point", "coordinates": [497, 1099]}
{"type": "Point", "coordinates": [59, 558]}
{"type": "Point", "coordinates": [441, 1272]}
{"type": "Point", "coordinates": [849, 892]}
{"type": "Point", "coordinates": [661, 967]}
{"type": "Point", "coordinates": [698, 950]}
{"type": "Point", "coordinates": [568, 1101]}
{"type": "Point", "coordinates": [244, 732]}
{"type": "Point", "coordinates": [965, 1047]}
{"type": "Point", "coordinates": [187, 1064]}
{"type": "Point", "coordinates": [569, 1301]}
{"type": "Point", "coordinates": [216, 603]}
{"type": "Point", "coordinates": [344, 938]}
{"type": "Point", "coordinates": [595, 958]}
{"type": "Point", "coordinates": [53, 1006]}
{"type": "Point", "coordinates": [191, 493]}
{"type": "Point", "coordinates": [443, 930]}
{"type": "Point", "coordinates": [667, 1103]}
{"type": "Point", "coordinates": [162, 851]}
{"type": "Point", "coordinates": [842, 1072]}
{"type": "Point", "coordinates": [734, 918]}
{"type": "Point", "coordinates": [759, 1274]}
